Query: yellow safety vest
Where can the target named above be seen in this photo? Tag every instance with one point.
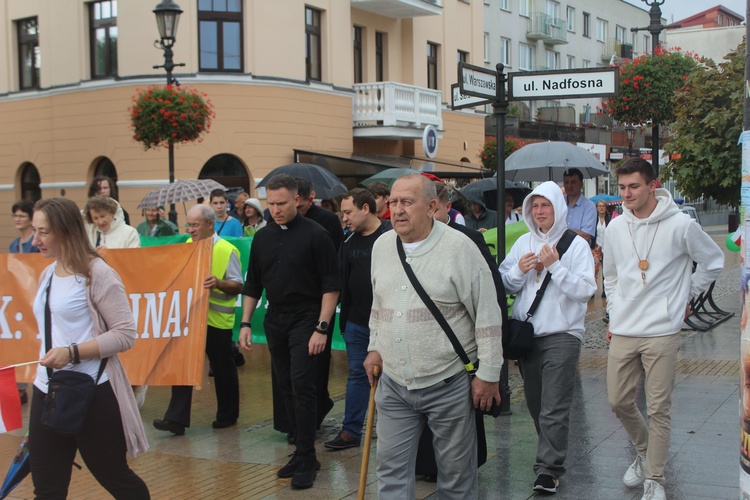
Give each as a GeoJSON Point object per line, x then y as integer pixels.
{"type": "Point", "coordinates": [220, 304]}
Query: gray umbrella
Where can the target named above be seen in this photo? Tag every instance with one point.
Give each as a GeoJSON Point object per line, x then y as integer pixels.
{"type": "Point", "coordinates": [477, 191]}
{"type": "Point", "coordinates": [547, 161]}
{"type": "Point", "coordinates": [325, 183]}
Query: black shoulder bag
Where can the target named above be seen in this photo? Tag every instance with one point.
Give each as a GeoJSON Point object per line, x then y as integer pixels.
{"type": "Point", "coordinates": [519, 336]}
{"type": "Point", "coordinates": [471, 368]}
{"type": "Point", "coordinates": [69, 393]}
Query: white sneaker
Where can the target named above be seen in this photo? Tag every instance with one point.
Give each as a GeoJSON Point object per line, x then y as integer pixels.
{"type": "Point", "coordinates": [636, 473]}
{"type": "Point", "coordinates": [652, 490]}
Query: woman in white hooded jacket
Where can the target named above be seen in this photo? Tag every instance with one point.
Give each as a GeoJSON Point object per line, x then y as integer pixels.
{"type": "Point", "coordinates": [549, 370]}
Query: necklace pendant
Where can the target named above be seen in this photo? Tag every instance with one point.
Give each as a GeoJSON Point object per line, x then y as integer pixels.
{"type": "Point", "coordinates": [539, 267]}
{"type": "Point", "coordinates": [643, 264]}
{"type": "Point", "coordinates": [643, 278]}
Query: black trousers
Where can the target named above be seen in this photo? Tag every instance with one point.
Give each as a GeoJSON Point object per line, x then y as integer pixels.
{"type": "Point", "coordinates": [101, 443]}
{"type": "Point", "coordinates": [226, 381]}
{"type": "Point", "coordinates": [288, 335]}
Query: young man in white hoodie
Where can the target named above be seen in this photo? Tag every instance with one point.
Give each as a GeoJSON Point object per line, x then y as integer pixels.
{"type": "Point", "coordinates": [649, 280]}
{"type": "Point", "coordinates": [549, 370]}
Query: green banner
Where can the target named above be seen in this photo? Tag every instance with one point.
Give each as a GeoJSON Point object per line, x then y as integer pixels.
{"type": "Point", "coordinates": [243, 245]}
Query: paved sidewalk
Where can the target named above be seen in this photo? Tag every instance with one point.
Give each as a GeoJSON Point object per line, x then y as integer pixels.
{"type": "Point", "coordinates": [242, 462]}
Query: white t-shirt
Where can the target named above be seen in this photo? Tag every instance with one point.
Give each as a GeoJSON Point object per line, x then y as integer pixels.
{"type": "Point", "coordinates": [71, 322]}
{"type": "Point", "coordinates": [600, 227]}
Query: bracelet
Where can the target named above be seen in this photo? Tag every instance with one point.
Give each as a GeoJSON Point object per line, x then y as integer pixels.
{"type": "Point", "coordinates": [245, 324]}
{"type": "Point", "coordinates": [76, 357]}
{"type": "Point", "coordinates": [70, 355]}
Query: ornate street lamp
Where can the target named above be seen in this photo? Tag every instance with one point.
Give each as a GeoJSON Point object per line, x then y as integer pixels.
{"type": "Point", "coordinates": [630, 130]}
{"type": "Point", "coordinates": [167, 18]}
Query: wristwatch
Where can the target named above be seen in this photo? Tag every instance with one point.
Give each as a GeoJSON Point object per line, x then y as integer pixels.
{"type": "Point", "coordinates": [322, 327]}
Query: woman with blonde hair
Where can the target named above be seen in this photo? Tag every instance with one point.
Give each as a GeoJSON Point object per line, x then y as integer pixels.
{"type": "Point", "coordinates": [82, 307]}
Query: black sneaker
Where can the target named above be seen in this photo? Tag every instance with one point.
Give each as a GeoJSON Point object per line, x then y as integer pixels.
{"type": "Point", "coordinates": [168, 425]}
{"type": "Point", "coordinates": [342, 441]}
{"type": "Point", "coordinates": [546, 483]}
{"type": "Point", "coordinates": [305, 474]}
{"type": "Point", "coordinates": [291, 468]}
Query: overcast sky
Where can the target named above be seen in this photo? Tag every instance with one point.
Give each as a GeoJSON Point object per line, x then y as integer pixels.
{"type": "Point", "coordinates": [676, 10]}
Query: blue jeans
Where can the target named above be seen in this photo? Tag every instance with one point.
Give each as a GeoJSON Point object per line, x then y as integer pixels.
{"type": "Point", "coordinates": [357, 386]}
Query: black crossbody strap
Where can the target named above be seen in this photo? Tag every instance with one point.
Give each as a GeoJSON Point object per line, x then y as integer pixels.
{"type": "Point", "coordinates": [48, 333]}
{"type": "Point", "coordinates": [562, 247]}
{"type": "Point", "coordinates": [433, 308]}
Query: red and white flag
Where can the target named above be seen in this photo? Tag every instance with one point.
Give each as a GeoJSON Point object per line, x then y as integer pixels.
{"type": "Point", "coordinates": [10, 402]}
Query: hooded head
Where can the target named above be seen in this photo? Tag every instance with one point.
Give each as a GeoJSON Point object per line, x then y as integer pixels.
{"type": "Point", "coordinates": [533, 216]}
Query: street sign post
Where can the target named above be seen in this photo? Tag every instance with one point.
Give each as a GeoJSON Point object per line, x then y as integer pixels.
{"type": "Point", "coordinates": [477, 81]}
{"type": "Point", "coordinates": [461, 101]}
{"type": "Point", "coordinates": [579, 83]}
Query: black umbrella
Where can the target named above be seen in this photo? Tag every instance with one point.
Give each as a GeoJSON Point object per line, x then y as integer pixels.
{"type": "Point", "coordinates": [19, 469]}
{"type": "Point", "coordinates": [325, 184]}
{"type": "Point", "coordinates": [484, 189]}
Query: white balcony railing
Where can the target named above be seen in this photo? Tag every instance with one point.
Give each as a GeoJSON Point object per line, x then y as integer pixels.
{"type": "Point", "coordinates": [390, 104]}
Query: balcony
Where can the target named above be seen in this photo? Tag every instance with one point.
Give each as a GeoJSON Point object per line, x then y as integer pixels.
{"type": "Point", "coordinates": [550, 29]}
{"type": "Point", "coordinates": [614, 47]}
{"type": "Point", "coordinates": [400, 9]}
{"type": "Point", "coordinates": [390, 110]}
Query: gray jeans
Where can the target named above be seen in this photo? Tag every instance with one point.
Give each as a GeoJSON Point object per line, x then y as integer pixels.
{"type": "Point", "coordinates": [446, 408]}
{"type": "Point", "coordinates": [549, 373]}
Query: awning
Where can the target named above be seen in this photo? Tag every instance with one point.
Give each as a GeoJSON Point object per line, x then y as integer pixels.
{"type": "Point", "coordinates": [355, 167]}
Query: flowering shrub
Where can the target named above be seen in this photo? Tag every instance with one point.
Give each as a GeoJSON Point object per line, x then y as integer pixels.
{"type": "Point", "coordinates": [648, 85]}
{"type": "Point", "coordinates": [488, 154]}
{"type": "Point", "coordinates": [161, 115]}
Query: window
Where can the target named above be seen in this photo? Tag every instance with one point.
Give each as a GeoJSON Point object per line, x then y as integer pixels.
{"type": "Point", "coordinates": [505, 51]}
{"type": "Point", "coordinates": [720, 19]}
{"type": "Point", "coordinates": [357, 41]}
{"type": "Point", "coordinates": [586, 63]}
{"type": "Point", "coordinates": [524, 8]}
{"type": "Point", "coordinates": [601, 30]}
{"type": "Point", "coordinates": [30, 183]}
{"type": "Point", "coordinates": [525, 57]}
{"type": "Point", "coordinates": [486, 47]}
{"type": "Point", "coordinates": [646, 43]}
{"type": "Point", "coordinates": [552, 59]}
{"type": "Point", "coordinates": [504, 4]}
{"type": "Point", "coordinates": [432, 66]}
{"type": "Point", "coordinates": [29, 57]}
{"type": "Point", "coordinates": [571, 63]}
{"type": "Point", "coordinates": [313, 67]}
{"type": "Point", "coordinates": [220, 35]}
{"type": "Point", "coordinates": [620, 34]}
{"type": "Point", "coordinates": [553, 10]}
{"type": "Point", "coordinates": [103, 31]}
{"type": "Point", "coordinates": [587, 25]}
{"type": "Point", "coordinates": [462, 56]}
{"type": "Point", "coordinates": [570, 17]}
{"type": "Point", "coordinates": [380, 47]}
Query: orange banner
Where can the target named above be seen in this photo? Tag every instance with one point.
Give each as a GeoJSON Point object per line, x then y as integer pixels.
{"type": "Point", "coordinates": [169, 304]}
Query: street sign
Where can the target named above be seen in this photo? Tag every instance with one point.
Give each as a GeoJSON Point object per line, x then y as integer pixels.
{"type": "Point", "coordinates": [461, 101]}
{"type": "Point", "coordinates": [430, 141]}
{"type": "Point", "coordinates": [477, 81]}
{"type": "Point", "coordinates": [579, 83]}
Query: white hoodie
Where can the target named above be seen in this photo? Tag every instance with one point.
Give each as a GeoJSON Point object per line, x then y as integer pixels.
{"type": "Point", "coordinates": [563, 307]}
{"type": "Point", "coordinates": [658, 307]}
{"type": "Point", "coordinates": [120, 235]}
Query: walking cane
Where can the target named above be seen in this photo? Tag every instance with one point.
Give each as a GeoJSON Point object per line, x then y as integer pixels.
{"type": "Point", "coordinates": [368, 434]}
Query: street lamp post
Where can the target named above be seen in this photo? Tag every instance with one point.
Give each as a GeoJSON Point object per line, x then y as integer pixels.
{"type": "Point", "coordinates": [167, 18]}
{"type": "Point", "coordinates": [655, 27]}
{"type": "Point", "coordinates": [630, 130]}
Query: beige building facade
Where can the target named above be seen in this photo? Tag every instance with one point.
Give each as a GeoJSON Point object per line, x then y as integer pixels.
{"type": "Point", "coordinates": [339, 77]}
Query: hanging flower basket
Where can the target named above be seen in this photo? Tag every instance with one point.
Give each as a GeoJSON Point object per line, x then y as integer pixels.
{"type": "Point", "coordinates": [161, 115]}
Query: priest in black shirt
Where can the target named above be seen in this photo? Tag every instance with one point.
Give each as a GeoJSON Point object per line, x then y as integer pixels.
{"type": "Point", "coordinates": [293, 259]}
{"type": "Point", "coordinates": [332, 225]}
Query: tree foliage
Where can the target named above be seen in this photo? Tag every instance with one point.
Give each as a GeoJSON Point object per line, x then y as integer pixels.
{"type": "Point", "coordinates": [488, 154]}
{"type": "Point", "coordinates": [708, 123]}
{"type": "Point", "coordinates": [647, 87]}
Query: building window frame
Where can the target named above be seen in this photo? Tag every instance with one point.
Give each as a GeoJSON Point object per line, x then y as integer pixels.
{"type": "Point", "coordinates": [432, 65]}
{"type": "Point", "coordinates": [28, 52]}
{"type": "Point", "coordinates": [586, 25]}
{"type": "Point", "coordinates": [602, 26]}
{"type": "Point", "coordinates": [210, 15]}
{"type": "Point", "coordinates": [103, 38]}
{"type": "Point", "coordinates": [505, 52]}
{"type": "Point", "coordinates": [381, 42]}
{"type": "Point", "coordinates": [486, 47]}
{"type": "Point", "coordinates": [525, 57]}
{"type": "Point", "coordinates": [313, 45]}
{"type": "Point", "coordinates": [571, 62]}
{"type": "Point", "coordinates": [570, 18]}
{"type": "Point", "coordinates": [505, 5]}
{"type": "Point", "coordinates": [357, 35]}
{"type": "Point", "coordinates": [524, 8]}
